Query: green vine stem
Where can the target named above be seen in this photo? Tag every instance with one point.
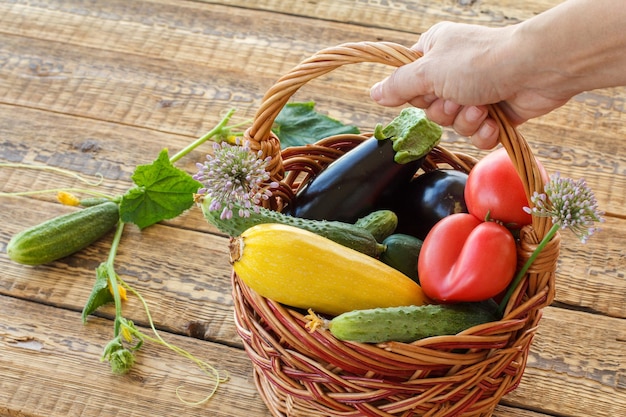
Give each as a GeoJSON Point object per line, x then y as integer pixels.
{"type": "Point", "coordinates": [221, 130]}
{"type": "Point", "coordinates": [218, 376]}
{"type": "Point", "coordinates": [112, 276]}
{"type": "Point", "coordinates": [123, 327]}
{"type": "Point", "coordinates": [57, 190]}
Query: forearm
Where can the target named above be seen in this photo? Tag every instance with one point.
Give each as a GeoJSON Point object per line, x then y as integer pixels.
{"type": "Point", "coordinates": [528, 69]}
{"type": "Point", "coordinates": [578, 45]}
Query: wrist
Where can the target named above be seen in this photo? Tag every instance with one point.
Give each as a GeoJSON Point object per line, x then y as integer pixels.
{"type": "Point", "coordinates": [542, 64]}
{"type": "Point", "coordinates": [574, 47]}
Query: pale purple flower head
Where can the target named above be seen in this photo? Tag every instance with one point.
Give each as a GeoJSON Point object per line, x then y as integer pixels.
{"type": "Point", "coordinates": [569, 203]}
{"type": "Point", "coordinates": [235, 179]}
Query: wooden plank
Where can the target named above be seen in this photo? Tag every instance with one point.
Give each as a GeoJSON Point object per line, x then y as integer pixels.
{"type": "Point", "coordinates": [186, 304]}
{"type": "Point", "coordinates": [405, 15]}
{"type": "Point", "coordinates": [50, 367]}
{"type": "Point", "coordinates": [79, 99]}
{"type": "Point", "coordinates": [599, 158]}
{"type": "Point", "coordinates": [173, 93]}
{"type": "Point", "coordinates": [576, 367]}
{"type": "Point", "coordinates": [198, 34]}
{"type": "Point", "coordinates": [150, 23]}
{"type": "Point", "coordinates": [579, 369]}
{"type": "Point", "coordinates": [592, 276]}
{"type": "Point", "coordinates": [102, 152]}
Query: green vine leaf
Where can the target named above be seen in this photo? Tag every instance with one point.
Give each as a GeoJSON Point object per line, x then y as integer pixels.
{"type": "Point", "coordinates": [162, 192]}
{"type": "Point", "coordinates": [100, 294]}
{"type": "Point", "coordinates": [299, 124]}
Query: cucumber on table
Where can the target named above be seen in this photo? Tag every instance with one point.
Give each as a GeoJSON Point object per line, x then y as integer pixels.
{"type": "Point", "coordinates": [408, 324]}
{"type": "Point", "coordinates": [63, 235]}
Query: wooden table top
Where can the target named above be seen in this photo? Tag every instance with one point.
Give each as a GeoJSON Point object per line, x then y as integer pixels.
{"type": "Point", "coordinates": [101, 87]}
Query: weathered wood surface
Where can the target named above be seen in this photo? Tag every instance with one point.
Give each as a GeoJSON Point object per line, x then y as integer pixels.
{"type": "Point", "coordinates": [98, 88]}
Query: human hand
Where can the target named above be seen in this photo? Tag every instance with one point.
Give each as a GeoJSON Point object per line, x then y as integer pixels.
{"type": "Point", "coordinates": [464, 68]}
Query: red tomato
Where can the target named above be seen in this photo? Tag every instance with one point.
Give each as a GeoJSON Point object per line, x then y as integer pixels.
{"type": "Point", "coordinates": [466, 259]}
{"type": "Point", "coordinates": [494, 187]}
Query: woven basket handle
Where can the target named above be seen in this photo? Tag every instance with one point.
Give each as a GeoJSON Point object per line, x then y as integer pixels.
{"type": "Point", "coordinates": [261, 137]}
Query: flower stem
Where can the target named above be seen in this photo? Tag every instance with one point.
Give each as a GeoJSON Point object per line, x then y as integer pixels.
{"type": "Point", "coordinates": [555, 227]}
{"type": "Point", "coordinates": [215, 131]}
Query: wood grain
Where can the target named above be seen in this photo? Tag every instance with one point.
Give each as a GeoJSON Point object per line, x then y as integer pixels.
{"type": "Point", "coordinates": [178, 94]}
{"type": "Point", "coordinates": [579, 351]}
{"type": "Point", "coordinates": [99, 88]}
{"type": "Point", "coordinates": [50, 366]}
{"type": "Point", "coordinates": [584, 357]}
{"type": "Point", "coordinates": [406, 15]}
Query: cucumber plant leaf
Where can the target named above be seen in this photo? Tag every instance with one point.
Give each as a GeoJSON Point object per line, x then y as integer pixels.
{"type": "Point", "coordinates": [299, 124]}
{"type": "Point", "coordinates": [161, 192]}
{"type": "Point", "coordinates": [100, 294]}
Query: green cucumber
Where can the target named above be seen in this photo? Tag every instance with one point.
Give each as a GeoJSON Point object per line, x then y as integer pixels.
{"type": "Point", "coordinates": [63, 235]}
{"type": "Point", "coordinates": [381, 223]}
{"type": "Point", "coordinates": [346, 234]}
{"type": "Point", "coordinates": [401, 252]}
{"type": "Point", "coordinates": [408, 324]}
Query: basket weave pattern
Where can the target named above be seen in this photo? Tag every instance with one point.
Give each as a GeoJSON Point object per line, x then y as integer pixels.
{"type": "Point", "coordinates": [299, 373]}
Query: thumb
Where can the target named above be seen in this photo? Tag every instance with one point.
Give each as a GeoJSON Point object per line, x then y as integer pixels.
{"type": "Point", "coordinates": [402, 86]}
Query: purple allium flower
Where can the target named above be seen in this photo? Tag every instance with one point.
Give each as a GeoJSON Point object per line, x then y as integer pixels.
{"type": "Point", "coordinates": [571, 204]}
{"type": "Point", "coordinates": [235, 179]}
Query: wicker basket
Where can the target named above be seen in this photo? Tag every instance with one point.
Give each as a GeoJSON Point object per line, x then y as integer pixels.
{"type": "Point", "coordinates": [299, 373]}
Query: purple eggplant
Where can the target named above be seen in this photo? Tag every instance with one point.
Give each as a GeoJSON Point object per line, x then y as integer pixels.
{"type": "Point", "coordinates": [428, 199]}
{"type": "Point", "coordinates": [369, 177]}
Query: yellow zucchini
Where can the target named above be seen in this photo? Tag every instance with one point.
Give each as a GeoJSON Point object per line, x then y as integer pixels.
{"type": "Point", "coordinates": [302, 269]}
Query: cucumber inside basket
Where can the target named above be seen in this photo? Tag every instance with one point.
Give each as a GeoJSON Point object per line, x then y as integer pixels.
{"type": "Point", "coordinates": [352, 299]}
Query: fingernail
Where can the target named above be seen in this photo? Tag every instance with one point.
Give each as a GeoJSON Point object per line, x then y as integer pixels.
{"type": "Point", "coordinates": [376, 92]}
{"type": "Point", "coordinates": [473, 114]}
{"type": "Point", "coordinates": [450, 107]}
{"type": "Point", "coordinates": [486, 131]}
